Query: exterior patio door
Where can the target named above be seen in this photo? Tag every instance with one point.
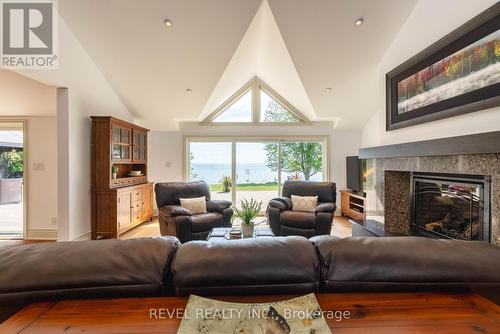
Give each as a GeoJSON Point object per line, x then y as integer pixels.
{"type": "Point", "coordinates": [238, 169]}
{"type": "Point", "coordinates": [11, 180]}
{"type": "Point", "coordinates": [257, 174]}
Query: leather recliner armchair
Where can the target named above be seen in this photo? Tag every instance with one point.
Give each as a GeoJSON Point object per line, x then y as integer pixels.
{"type": "Point", "coordinates": [177, 221]}
{"type": "Point", "coordinates": [284, 221]}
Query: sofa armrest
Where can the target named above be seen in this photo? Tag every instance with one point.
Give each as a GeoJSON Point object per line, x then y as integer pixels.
{"type": "Point", "coordinates": [173, 211]}
{"type": "Point", "coordinates": [328, 207]}
{"type": "Point", "coordinates": [218, 205]}
{"type": "Point", "coordinates": [281, 203]}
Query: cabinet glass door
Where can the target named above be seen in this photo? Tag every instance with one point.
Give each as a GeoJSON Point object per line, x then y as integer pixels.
{"type": "Point", "coordinates": [143, 150]}
{"type": "Point", "coordinates": [117, 135]}
{"type": "Point", "coordinates": [125, 136]}
{"type": "Point", "coordinates": [121, 143]}
{"type": "Point", "coordinates": [117, 152]}
{"type": "Point", "coordinates": [139, 152]}
{"type": "Point", "coordinates": [125, 152]}
{"type": "Point", "coordinates": [137, 149]}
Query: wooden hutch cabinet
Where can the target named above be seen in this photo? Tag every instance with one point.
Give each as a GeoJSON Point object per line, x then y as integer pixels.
{"type": "Point", "coordinates": [125, 201]}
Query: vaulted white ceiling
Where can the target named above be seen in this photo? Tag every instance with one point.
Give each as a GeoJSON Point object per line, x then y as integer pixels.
{"type": "Point", "coordinates": [262, 53]}
{"type": "Point", "coordinates": [297, 47]}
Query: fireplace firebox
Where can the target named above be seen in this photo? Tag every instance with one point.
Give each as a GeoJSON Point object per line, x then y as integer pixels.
{"type": "Point", "coordinates": [451, 206]}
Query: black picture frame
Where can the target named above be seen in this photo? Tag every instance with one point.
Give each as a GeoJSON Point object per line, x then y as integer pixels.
{"type": "Point", "coordinates": [480, 26]}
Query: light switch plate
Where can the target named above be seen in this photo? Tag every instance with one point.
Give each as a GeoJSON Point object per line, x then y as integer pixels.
{"type": "Point", "coordinates": [39, 166]}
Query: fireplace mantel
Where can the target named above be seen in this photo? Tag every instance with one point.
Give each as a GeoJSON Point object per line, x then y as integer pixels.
{"type": "Point", "coordinates": [481, 143]}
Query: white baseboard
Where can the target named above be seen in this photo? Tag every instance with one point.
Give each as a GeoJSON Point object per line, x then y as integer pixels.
{"type": "Point", "coordinates": [41, 234]}
{"type": "Point", "coordinates": [86, 236]}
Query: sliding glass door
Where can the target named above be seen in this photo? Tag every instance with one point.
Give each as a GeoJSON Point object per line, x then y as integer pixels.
{"type": "Point", "coordinates": [238, 169]}
{"type": "Point", "coordinates": [211, 162]}
{"type": "Point", "coordinates": [257, 172]}
{"type": "Point", "coordinates": [302, 160]}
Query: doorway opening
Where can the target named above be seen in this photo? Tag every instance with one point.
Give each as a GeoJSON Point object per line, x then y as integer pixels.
{"type": "Point", "coordinates": [12, 180]}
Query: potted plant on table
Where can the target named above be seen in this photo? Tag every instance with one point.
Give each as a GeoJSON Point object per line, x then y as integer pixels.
{"type": "Point", "coordinates": [249, 210]}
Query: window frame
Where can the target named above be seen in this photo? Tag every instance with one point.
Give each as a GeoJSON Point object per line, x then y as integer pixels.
{"type": "Point", "coordinates": [255, 85]}
{"type": "Point", "coordinates": [324, 140]}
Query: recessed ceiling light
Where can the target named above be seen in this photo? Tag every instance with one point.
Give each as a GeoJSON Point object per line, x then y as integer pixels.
{"type": "Point", "coordinates": [359, 22]}
{"type": "Point", "coordinates": [328, 89]}
{"type": "Point", "coordinates": [168, 23]}
{"type": "Point", "coordinates": [189, 90]}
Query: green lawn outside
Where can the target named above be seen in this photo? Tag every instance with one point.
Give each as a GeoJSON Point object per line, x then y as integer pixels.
{"type": "Point", "coordinates": [248, 187]}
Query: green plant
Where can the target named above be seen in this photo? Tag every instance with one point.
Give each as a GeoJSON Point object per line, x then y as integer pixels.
{"type": "Point", "coordinates": [226, 182]}
{"type": "Point", "coordinates": [192, 173]}
{"type": "Point", "coordinates": [249, 210]}
{"type": "Point", "coordinates": [13, 163]}
{"type": "Point", "coordinates": [114, 169]}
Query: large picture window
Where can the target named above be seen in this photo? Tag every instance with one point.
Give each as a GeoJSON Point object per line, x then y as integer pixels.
{"type": "Point", "coordinates": [236, 168]}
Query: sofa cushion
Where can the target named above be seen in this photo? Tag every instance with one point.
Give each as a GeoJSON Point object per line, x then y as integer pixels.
{"type": "Point", "coordinates": [304, 203]}
{"type": "Point", "coordinates": [74, 269]}
{"type": "Point", "coordinates": [169, 193]}
{"type": "Point", "coordinates": [250, 266]}
{"type": "Point", "coordinates": [406, 263]}
{"type": "Point", "coordinates": [326, 191]}
{"type": "Point", "coordinates": [194, 205]}
{"type": "Point", "coordinates": [205, 221]}
{"type": "Point", "coordinates": [173, 211]}
{"type": "Point", "coordinates": [299, 219]}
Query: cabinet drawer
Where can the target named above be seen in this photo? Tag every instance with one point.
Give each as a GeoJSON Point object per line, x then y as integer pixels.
{"type": "Point", "coordinates": [137, 208]}
{"type": "Point", "coordinates": [137, 195]}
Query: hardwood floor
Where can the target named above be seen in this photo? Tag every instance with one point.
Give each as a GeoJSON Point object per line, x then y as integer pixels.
{"type": "Point", "coordinates": [341, 228]}
{"type": "Point", "coordinates": [16, 242]}
{"type": "Point", "coordinates": [362, 313]}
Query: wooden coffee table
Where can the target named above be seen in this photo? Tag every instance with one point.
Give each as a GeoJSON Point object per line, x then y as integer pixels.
{"type": "Point", "coordinates": [370, 313]}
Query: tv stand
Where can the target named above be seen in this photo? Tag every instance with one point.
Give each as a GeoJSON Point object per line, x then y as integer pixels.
{"type": "Point", "coordinates": [353, 205]}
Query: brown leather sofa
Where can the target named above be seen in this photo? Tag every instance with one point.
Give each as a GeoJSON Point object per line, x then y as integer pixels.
{"type": "Point", "coordinates": [268, 265]}
{"type": "Point", "coordinates": [284, 221]}
{"type": "Point", "coordinates": [176, 221]}
{"type": "Point", "coordinates": [84, 269]}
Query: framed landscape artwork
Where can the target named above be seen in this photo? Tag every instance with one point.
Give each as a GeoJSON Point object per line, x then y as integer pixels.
{"type": "Point", "coordinates": [458, 74]}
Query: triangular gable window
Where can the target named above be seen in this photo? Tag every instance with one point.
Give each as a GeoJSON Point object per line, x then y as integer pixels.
{"type": "Point", "coordinates": [273, 111]}
{"type": "Point", "coordinates": [256, 103]}
{"type": "Point", "coordinates": [239, 111]}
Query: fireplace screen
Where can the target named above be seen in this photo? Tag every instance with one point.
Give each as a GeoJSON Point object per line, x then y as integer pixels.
{"type": "Point", "coordinates": [454, 207]}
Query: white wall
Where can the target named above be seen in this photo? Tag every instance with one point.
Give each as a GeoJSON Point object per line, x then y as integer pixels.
{"type": "Point", "coordinates": [165, 156]}
{"type": "Point", "coordinates": [42, 184]}
{"type": "Point", "coordinates": [88, 93]}
{"type": "Point", "coordinates": [429, 21]}
{"type": "Point", "coordinates": [344, 144]}
{"type": "Point", "coordinates": [166, 149]}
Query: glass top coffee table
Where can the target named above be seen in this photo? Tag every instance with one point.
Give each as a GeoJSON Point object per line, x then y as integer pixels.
{"type": "Point", "coordinates": [222, 233]}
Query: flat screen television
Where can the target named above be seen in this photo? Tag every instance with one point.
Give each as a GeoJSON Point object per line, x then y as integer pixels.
{"type": "Point", "coordinates": [354, 173]}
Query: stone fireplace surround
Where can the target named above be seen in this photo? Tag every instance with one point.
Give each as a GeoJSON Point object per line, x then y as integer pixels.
{"type": "Point", "coordinates": [388, 175]}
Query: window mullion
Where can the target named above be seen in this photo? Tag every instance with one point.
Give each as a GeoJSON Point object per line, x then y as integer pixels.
{"type": "Point", "coordinates": [233, 172]}
{"type": "Point", "coordinates": [279, 168]}
{"type": "Point", "coordinates": [256, 102]}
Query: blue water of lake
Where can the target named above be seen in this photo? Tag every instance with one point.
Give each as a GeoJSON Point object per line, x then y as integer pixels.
{"type": "Point", "coordinates": [247, 173]}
